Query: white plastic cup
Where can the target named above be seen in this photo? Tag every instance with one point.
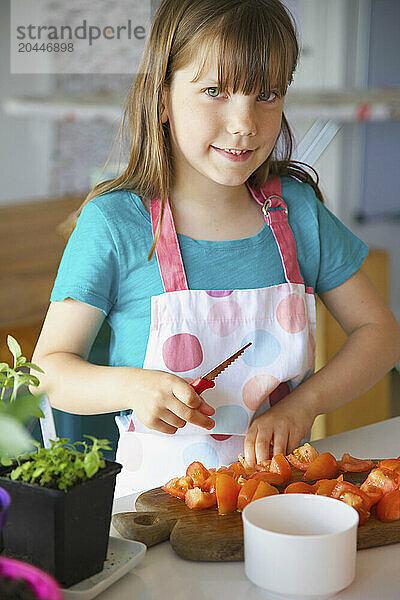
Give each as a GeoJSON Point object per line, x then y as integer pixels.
{"type": "Point", "coordinates": [300, 546]}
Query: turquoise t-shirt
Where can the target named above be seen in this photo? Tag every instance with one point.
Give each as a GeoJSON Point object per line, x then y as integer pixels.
{"type": "Point", "coordinates": [105, 261]}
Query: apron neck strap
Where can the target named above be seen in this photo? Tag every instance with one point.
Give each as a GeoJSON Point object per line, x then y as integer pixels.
{"type": "Point", "coordinates": [168, 253]}
{"type": "Point", "coordinates": [275, 212]}
{"type": "Point", "coordinates": [269, 196]}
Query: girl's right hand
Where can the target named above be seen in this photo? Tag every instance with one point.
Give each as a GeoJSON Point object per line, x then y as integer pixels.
{"type": "Point", "coordinates": [166, 402]}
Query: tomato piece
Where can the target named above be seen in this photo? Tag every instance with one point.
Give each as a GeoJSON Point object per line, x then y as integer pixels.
{"type": "Point", "coordinates": [355, 465]}
{"type": "Point", "coordinates": [178, 486]}
{"type": "Point", "coordinates": [355, 497]}
{"type": "Point", "coordinates": [323, 467]}
{"type": "Point", "coordinates": [385, 479]}
{"type": "Point", "coordinates": [393, 464]}
{"type": "Point", "coordinates": [264, 489]}
{"type": "Point", "coordinates": [226, 470]}
{"type": "Point", "coordinates": [264, 465]}
{"type": "Point", "coordinates": [227, 489]}
{"type": "Point", "coordinates": [302, 457]}
{"type": "Point", "coordinates": [246, 493]}
{"type": "Point", "coordinates": [209, 484]}
{"type": "Point", "coordinates": [248, 469]}
{"type": "Point", "coordinates": [280, 465]}
{"type": "Point", "coordinates": [196, 498]}
{"type": "Point", "coordinates": [299, 487]}
{"type": "Point", "coordinates": [373, 492]}
{"type": "Point", "coordinates": [241, 480]}
{"type": "Point", "coordinates": [324, 487]}
{"type": "Point", "coordinates": [343, 487]}
{"type": "Point", "coordinates": [363, 513]}
{"type": "Point", "coordinates": [388, 508]}
{"type": "Point", "coordinates": [197, 471]}
{"type": "Point", "coordinates": [272, 478]}
{"type": "Point", "coordinates": [238, 469]}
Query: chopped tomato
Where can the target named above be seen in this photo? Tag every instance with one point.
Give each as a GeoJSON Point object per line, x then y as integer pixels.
{"type": "Point", "coordinates": [299, 487]}
{"type": "Point", "coordinates": [393, 464]}
{"type": "Point", "coordinates": [355, 497]}
{"type": "Point", "coordinates": [388, 508]}
{"type": "Point", "coordinates": [343, 487]}
{"type": "Point", "coordinates": [238, 469]}
{"type": "Point", "coordinates": [264, 489]}
{"type": "Point", "coordinates": [385, 479]}
{"type": "Point", "coordinates": [302, 457]}
{"type": "Point", "coordinates": [280, 465]}
{"type": "Point", "coordinates": [196, 498]}
{"type": "Point", "coordinates": [246, 493]}
{"type": "Point", "coordinates": [324, 487]}
{"type": "Point", "coordinates": [272, 478]}
{"type": "Point", "coordinates": [178, 486]}
{"type": "Point", "coordinates": [374, 493]}
{"type": "Point", "coordinates": [324, 466]}
{"type": "Point", "coordinates": [241, 480]}
{"type": "Point", "coordinates": [248, 469]}
{"type": "Point", "coordinates": [198, 473]}
{"type": "Point", "coordinates": [264, 465]}
{"type": "Point", "coordinates": [355, 465]}
{"type": "Point", "coordinates": [209, 484]}
{"type": "Point", "coordinates": [227, 489]}
{"type": "Point", "coordinates": [226, 470]}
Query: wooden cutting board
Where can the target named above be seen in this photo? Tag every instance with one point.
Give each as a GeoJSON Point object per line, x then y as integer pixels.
{"type": "Point", "coordinates": [207, 536]}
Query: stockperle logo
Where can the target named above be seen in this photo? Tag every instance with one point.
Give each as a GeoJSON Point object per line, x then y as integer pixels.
{"type": "Point", "coordinates": [85, 36]}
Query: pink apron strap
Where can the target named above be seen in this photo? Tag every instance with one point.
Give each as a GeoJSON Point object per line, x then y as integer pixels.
{"type": "Point", "coordinates": [275, 214]}
{"type": "Point", "coordinates": [167, 249]}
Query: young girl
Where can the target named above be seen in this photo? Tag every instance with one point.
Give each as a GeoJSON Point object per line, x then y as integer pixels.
{"type": "Point", "coordinates": [239, 243]}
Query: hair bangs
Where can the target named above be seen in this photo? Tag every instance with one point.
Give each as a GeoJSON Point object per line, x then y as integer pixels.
{"type": "Point", "coordinates": [249, 51]}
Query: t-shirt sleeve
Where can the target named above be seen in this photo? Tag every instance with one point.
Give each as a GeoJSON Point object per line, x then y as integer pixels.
{"type": "Point", "coordinates": [341, 251]}
{"type": "Point", "coordinates": [89, 267]}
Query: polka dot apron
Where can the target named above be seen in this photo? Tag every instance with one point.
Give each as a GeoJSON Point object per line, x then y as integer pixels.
{"type": "Point", "coordinates": [193, 330]}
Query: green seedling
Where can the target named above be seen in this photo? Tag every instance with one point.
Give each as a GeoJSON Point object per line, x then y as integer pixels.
{"type": "Point", "coordinates": [61, 466]}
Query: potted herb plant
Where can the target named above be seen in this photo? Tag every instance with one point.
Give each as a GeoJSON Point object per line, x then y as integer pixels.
{"type": "Point", "coordinates": [61, 500]}
{"type": "Point", "coordinates": [18, 579]}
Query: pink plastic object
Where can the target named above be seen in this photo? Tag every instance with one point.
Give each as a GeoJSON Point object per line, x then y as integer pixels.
{"type": "Point", "coordinates": [44, 586]}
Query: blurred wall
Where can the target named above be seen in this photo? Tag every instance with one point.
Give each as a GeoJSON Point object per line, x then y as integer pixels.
{"type": "Point", "coordinates": [371, 151]}
{"type": "Point", "coordinates": [25, 144]}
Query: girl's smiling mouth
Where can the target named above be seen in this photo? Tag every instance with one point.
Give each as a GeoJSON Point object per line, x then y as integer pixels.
{"type": "Point", "coordinates": [233, 154]}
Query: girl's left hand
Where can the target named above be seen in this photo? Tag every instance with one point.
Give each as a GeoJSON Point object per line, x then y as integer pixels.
{"type": "Point", "coordinates": [282, 427]}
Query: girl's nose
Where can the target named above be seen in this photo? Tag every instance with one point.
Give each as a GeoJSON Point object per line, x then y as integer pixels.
{"type": "Point", "coordinates": [241, 120]}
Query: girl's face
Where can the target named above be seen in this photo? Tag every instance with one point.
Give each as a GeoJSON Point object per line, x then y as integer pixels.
{"type": "Point", "coordinates": [206, 124]}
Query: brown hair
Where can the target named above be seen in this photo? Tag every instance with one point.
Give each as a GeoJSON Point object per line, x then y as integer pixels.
{"type": "Point", "coordinates": [256, 45]}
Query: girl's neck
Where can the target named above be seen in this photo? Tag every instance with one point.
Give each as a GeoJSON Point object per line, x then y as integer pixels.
{"type": "Point", "coordinates": [222, 213]}
{"type": "Point", "coordinates": [204, 195]}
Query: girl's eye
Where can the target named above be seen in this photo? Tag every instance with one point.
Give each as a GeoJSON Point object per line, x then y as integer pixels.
{"type": "Point", "coordinates": [272, 96]}
{"type": "Point", "coordinates": [212, 92]}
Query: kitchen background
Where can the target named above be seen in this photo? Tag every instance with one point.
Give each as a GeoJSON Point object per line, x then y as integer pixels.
{"type": "Point", "coordinates": [58, 131]}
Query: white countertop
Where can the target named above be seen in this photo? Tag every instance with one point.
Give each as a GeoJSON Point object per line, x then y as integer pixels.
{"type": "Point", "coordinates": [163, 575]}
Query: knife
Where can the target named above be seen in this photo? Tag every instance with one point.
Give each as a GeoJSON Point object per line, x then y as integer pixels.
{"type": "Point", "coordinates": [207, 381]}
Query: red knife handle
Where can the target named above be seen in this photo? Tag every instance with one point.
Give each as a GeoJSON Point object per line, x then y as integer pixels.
{"type": "Point", "coordinates": [200, 384]}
